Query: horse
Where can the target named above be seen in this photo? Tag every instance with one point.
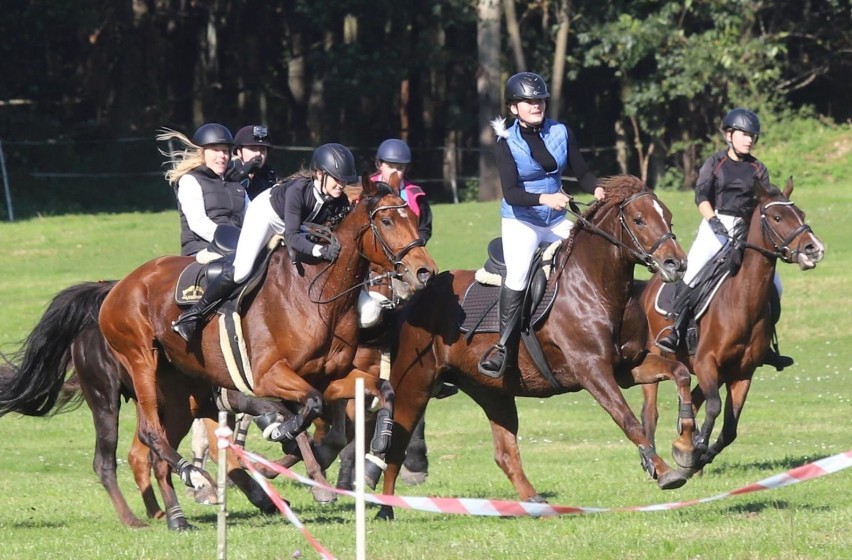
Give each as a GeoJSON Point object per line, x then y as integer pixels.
{"type": "Point", "coordinates": [68, 337]}
{"type": "Point", "coordinates": [579, 339]}
{"type": "Point", "coordinates": [301, 325]}
{"type": "Point", "coordinates": [735, 331]}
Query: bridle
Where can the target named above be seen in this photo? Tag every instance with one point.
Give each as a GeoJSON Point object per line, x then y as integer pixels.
{"type": "Point", "coordinates": [639, 252]}
{"type": "Point", "coordinates": [395, 258]}
{"type": "Point", "coordinates": [781, 245]}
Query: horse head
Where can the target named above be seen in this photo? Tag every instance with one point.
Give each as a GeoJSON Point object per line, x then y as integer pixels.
{"type": "Point", "coordinates": [648, 224]}
{"type": "Point", "coordinates": [784, 231]}
{"type": "Point", "coordinates": [390, 239]}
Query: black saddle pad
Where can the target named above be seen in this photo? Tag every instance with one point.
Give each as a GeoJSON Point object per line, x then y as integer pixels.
{"type": "Point", "coordinates": [194, 280]}
{"type": "Point", "coordinates": [480, 313]}
{"type": "Point", "coordinates": [664, 302]}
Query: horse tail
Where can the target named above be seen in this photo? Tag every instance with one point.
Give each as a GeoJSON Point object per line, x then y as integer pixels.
{"type": "Point", "coordinates": [30, 383]}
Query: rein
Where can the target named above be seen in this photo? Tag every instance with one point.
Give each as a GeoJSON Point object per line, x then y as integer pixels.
{"type": "Point", "coordinates": [643, 255]}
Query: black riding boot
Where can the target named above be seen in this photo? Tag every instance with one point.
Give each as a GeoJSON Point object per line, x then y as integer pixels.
{"type": "Point", "coordinates": [673, 334]}
{"type": "Point", "coordinates": [220, 288]}
{"type": "Point", "coordinates": [495, 360]}
{"type": "Point", "coordinates": [773, 357]}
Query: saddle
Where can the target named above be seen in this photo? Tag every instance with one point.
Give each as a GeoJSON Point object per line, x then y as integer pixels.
{"type": "Point", "coordinates": [479, 305]}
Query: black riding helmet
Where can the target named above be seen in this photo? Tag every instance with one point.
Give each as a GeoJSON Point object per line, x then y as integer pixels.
{"type": "Point", "coordinates": [394, 151]}
{"type": "Point", "coordinates": [741, 119]}
{"type": "Point", "coordinates": [212, 133]}
{"type": "Point", "coordinates": [525, 85]}
{"type": "Point", "coordinates": [252, 135]}
{"type": "Point", "coordinates": [337, 161]}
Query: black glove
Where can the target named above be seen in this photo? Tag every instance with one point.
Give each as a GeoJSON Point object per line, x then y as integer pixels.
{"type": "Point", "coordinates": [717, 226]}
{"type": "Point", "coordinates": [330, 252]}
{"type": "Point", "coordinates": [253, 165]}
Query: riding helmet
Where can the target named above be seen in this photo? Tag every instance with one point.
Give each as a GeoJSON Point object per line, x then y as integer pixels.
{"type": "Point", "coordinates": [252, 135]}
{"type": "Point", "coordinates": [394, 151]}
{"type": "Point", "coordinates": [741, 119]}
{"type": "Point", "coordinates": [212, 133]}
{"type": "Point", "coordinates": [525, 85]}
{"type": "Point", "coordinates": [337, 161]}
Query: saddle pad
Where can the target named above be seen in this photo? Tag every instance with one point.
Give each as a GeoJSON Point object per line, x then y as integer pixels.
{"type": "Point", "coordinates": [480, 313]}
{"type": "Point", "coordinates": [191, 284]}
{"type": "Point", "coordinates": [664, 299]}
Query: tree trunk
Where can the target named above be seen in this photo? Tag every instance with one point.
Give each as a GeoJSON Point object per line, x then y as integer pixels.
{"type": "Point", "coordinates": [488, 90]}
{"type": "Point", "coordinates": [560, 52]}
{"type": "Point", "coordinates": [514, 35]}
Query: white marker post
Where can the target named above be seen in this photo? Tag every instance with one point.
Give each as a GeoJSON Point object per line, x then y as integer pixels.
{"type": "Point", "coordinates": [360, 509]}
{"type": "Point", "coordinates": [221, 483]}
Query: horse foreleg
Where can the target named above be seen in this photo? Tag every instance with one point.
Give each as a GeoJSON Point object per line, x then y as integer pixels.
{"type": "Point", "coordinates": [734, 403]}
{"type": "Point", "coordinates": [650, 372]}
{"type": "Point", "coordinates": [605, 391]}
{"type": "Point", "coordinates": [707, 393]}
{"type": "Point", "coordinates": [139, 459]}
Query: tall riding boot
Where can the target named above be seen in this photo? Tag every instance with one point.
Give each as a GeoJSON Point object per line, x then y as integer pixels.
{"type": "Point", "coordinates": [495, 360]}
{"type": "Point", "coordinates": [674, 333]}
{"type": "Point", "coordinates": [217, 291]}
{"type": "Point", "coordinates": [773, 357]}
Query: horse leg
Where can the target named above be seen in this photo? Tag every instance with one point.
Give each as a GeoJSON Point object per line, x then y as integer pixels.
{"type": "Point", "coordinates": [139, 459]}
{"type": "Point", "coordinates": [707, 373]}
{"type": "Point", "coordinates": [415, 469]}
{"type": "Point", "coordinates": [502, 413]}
{"type": "Point", "coordinates": [650, 372]}
{"type": "Point", "coordinates": [605, 391]}
{"type": "Point", "coordinates": [734, 403]}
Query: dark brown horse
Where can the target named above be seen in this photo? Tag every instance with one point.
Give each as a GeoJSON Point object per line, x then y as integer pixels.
{"type": "Point", "coordinates": [301, 326]}
{"type": "Point", "coordinates": [580, 338]}
{"type": "Point", "coordinates": [735, 331]}
{"type": "Point", "coordinates": [67, 336]}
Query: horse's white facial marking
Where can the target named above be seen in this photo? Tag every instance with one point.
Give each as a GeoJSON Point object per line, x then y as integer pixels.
{"type": "Point", "coordinates": [659, 209]}
{"type": "Point", "coordinates": [403, 212]}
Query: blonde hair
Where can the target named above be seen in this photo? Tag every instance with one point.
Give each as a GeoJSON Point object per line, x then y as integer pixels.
{"type": "Point", "coordinates": [181, 160]}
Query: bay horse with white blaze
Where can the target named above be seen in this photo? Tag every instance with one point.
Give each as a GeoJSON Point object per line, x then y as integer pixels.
{"type": "Point", "coordinates": [735, 331]}
{"type": "Point", "coordinates": [580, 339]}
{"type": "Point", "coordinates": [301, 326]}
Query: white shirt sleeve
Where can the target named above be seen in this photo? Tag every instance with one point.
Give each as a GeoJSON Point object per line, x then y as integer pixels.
{"type": "Point", "coordinates": [191, 202]}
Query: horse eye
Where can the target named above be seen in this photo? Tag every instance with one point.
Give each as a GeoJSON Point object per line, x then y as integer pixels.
{"type": "Point", "coordinates": [638, 220]}
{"type": "Point", "coordinates": [776, 218]}
{"type": "Point", "coordinates": [386, 221]}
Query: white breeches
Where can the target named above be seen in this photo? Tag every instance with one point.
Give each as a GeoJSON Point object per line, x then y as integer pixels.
{"type": "Point", "coordinates": [707, 244]}
{"type": "Point", "coordinates": [520, 240]}
{"type": "Point", "coordinates": [259, 225]}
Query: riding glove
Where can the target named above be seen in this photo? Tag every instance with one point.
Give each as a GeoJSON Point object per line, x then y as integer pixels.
{"type": "Point", "coordinates": [329, 252]}
{"type": "Point", "coordinates": [717, 226]}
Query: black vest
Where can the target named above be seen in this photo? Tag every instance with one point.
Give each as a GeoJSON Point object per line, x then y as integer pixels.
{"type": "Point", "coordinates": [224, 203]}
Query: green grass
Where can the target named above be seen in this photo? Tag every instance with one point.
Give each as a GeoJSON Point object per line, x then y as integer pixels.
{"type": "Point", "coordinates": [55, 508]}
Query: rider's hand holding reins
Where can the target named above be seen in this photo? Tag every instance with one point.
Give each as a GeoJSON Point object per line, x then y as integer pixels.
{"type": "Point", "coordinates": [717, 226]}
{"type": "Point", "coordinates": [555, 201]}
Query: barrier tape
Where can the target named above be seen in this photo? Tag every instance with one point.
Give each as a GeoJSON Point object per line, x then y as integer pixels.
{"type": "Point", "coordinates": [505, 508]}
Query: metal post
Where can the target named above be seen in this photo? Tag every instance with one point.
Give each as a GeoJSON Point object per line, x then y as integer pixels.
{"type": "Point", "coordinates": [6, 184]}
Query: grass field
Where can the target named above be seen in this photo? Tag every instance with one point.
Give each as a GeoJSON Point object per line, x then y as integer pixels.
{"type": "Point", "coordinates": [54, 508]}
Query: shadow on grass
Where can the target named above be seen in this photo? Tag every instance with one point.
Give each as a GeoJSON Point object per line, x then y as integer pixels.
{"type": "Point", "coordinates": [755, 507]}
{"type": "Point", "coordinates": [774, 465]}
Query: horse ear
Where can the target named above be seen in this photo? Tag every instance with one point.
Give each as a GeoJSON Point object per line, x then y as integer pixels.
{"type": "Point", "coordinates": [395, 180]}
{"type": "Point", "coordinates": [368, 185]}
{"type": "Point", "coordinates": [788, 188]}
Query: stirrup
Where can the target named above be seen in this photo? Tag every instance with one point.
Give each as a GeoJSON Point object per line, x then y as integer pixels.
{"type": "Point", "coordinates": [488, 360]}
{"type": "Point", "coordinates": [670, 342]}
{"type": "Point", "coordinates": [777, 361]}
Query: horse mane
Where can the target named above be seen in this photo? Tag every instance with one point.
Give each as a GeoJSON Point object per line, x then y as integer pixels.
{"type": "Point", "coordinates": [617, 189]}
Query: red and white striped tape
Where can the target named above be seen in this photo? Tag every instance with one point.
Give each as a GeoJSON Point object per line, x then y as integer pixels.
{"type": "Point", "coordinates": [505, 508]}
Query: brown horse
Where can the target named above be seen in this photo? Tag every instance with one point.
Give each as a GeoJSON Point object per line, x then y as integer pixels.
{"type": "Point", "coordinates": [579, 339]}
{"type": "Point", "coordinates": [735, 331]}
{"type": "Point", "coordinates": [67, 336]}
{"type": "Point", "coordinates": [301, 325]}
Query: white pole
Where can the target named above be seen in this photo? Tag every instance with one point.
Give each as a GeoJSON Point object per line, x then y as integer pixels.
{"type": "Point", "coordinates": [360, 505]}
{"type": "Point", "coordinates": [221, 483]}
{"type": "Point", "coordinates": [6, 184]}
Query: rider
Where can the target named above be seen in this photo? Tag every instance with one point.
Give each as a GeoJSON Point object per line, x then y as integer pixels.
{"type": "Point", "coordinates": [206, 199]}
{"type": "Point", "coordinates": [250, 166]}
{"type": "Point", "coordinates": [725, 198]}
{"type": "Point", "coordinates": [314, 195]}
{"type": "Point", "coordinates": [532, 155]}
{"type": "Point", "coordinates": [394, 156]}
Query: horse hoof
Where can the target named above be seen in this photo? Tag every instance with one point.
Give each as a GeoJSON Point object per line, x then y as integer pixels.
{"type": "Point", "coordinates": [205, 496]}
{"type": "Point", "coordinates": [412, 478]}
{"type": "Point", "coordinates": [691, 471]}
{"type": "Point", "coordinates": [181, 524]}
{"type": "Point", "coordinates": [537, 499]}
{"type": "Point", "coordinates": [323, 495]}
{"type": "Point", "coordinates": [671, 480]}
{"type": "Point", "coordinates": [385, 513]}
{"type": "Point", "coordinates": [136, 523]}
{"type": "Point", "coordinates": [684, 459]}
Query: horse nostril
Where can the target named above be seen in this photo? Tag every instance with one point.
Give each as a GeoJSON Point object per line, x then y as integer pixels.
{"type": "Point", "coordinates": [424, 275]}
{"type": "Point", "coordinates": [674, 265]}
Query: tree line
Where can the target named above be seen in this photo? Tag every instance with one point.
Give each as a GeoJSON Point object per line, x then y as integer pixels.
{"type": "Point", "coordinates": [644, 83]}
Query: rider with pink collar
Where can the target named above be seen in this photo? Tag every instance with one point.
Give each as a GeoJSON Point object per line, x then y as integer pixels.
{"type": "Point", "coordinates": [394, 156]}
